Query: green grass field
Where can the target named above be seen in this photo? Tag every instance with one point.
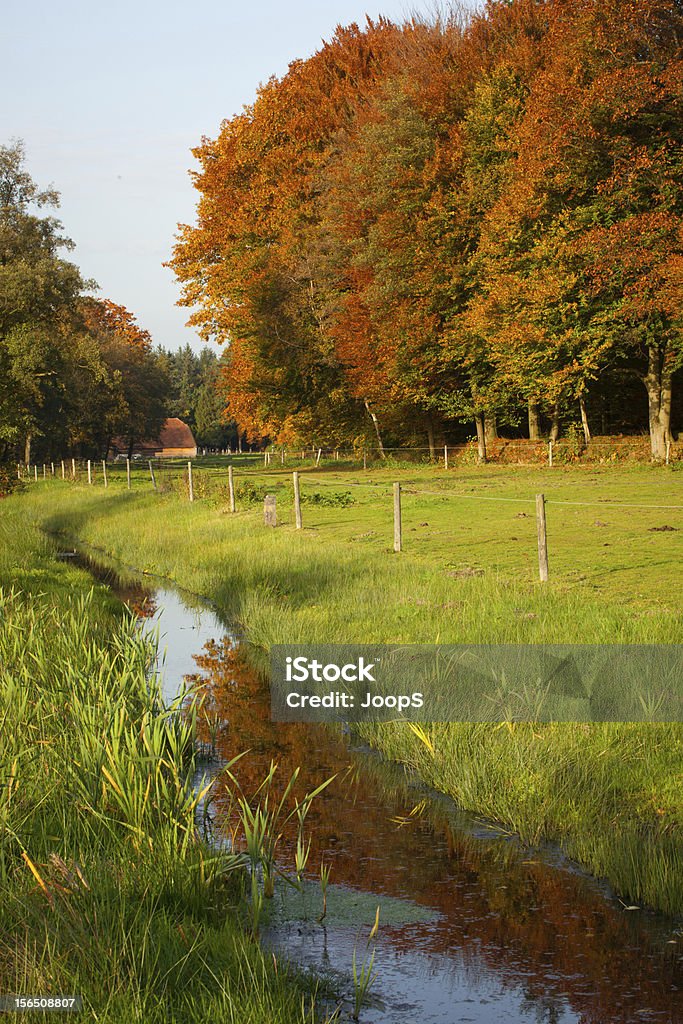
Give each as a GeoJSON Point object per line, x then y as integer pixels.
{"type": "Point", "coordinates": [468, 573]}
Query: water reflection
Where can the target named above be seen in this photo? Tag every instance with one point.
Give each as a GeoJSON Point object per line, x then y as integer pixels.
{"type": "Point", "coordinates": [514, 937]}
{"type": "Point", "coordinates": [503, 933]}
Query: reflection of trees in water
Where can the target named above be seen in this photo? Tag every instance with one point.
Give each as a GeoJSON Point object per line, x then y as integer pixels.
{"type": "Point", "coordinates": [143, 605]}
{"type": "Point", "coordinates": [521, 918]}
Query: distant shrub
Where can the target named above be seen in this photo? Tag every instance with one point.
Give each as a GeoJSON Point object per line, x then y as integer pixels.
{"type": "Point", "coordinates": [331, 499]}
{"type": "Point", "coordinates": [8, 478]}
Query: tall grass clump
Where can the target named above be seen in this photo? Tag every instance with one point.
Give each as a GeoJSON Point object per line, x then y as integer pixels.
{"type": "Point", "coordinates": [107, 889]}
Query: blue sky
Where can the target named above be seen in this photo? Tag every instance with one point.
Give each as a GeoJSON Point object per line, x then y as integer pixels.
{"type": "Point", "coordinates": [109, 99]}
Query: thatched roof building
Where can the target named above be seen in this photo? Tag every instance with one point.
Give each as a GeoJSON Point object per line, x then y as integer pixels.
{"type": "Point", "coordinates": [175, 440]}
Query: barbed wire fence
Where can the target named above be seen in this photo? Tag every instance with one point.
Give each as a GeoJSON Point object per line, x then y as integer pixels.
{"type": "Point", "coordinates": [231, 478]}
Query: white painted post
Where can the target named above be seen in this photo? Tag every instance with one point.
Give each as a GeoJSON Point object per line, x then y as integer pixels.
{"type": "Point", "coordinates": [52, 468]}
{"type": "Point", "coordinates": [63, 474]}
{"type": "Point", "coordinates": [231, 489]}
{"type": "Point", "coordinates": [104, 472]}
{"type": "Point", "coordinates": [89, 472]}
{"type": "Point", "coordinates": [35, 473]}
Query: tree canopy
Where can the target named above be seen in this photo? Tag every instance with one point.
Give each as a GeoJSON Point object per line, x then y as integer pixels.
{"type": "Point", "coordinates": [429, 223]}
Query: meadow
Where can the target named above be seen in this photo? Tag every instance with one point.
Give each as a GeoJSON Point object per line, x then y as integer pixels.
{"type": "Point", "coordinates": [468, 573]}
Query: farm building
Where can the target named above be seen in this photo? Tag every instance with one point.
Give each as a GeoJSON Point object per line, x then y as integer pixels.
{"type": "Point", "coordinates": [175, 440]}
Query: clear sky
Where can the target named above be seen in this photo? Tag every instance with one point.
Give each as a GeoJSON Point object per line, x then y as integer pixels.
{"type": "Point", "coordinates": [109, 98]}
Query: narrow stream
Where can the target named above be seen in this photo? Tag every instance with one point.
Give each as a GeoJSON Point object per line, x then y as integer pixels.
{"type": "Point", "coordinates": [474, 927]}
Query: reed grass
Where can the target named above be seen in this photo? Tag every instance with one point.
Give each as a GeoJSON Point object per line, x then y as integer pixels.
{"type": "Point", "coordinates": [106, 889]}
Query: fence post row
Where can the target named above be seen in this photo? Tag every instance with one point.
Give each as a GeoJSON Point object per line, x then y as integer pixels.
{"type": "Point", "coordinates": [542, 538]}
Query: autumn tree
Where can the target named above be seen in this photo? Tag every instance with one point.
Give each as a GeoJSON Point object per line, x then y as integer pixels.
{"type": "Point", "coordinates": [136, 405]}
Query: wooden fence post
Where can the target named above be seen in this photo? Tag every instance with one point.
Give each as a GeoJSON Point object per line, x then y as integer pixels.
{"type": "Point", "coordinates": [269, 510]}
{"type": "Point", "coordinates": [128, 473]}
{"type": "Point", "coordinates": [73, 468]}
{"type": "Point", "coordinates": [189, 481]}
{"type": "Point", "coordinates": [668, 450]}
{"type": "Point", "coordinates": [35, 472]}
{"type": "Point", "coordinates": [397, 517]}
{"type": "Point", "coordinates": [44, 472]}
{"type": "Point", "coordinates": [89, 472]}
{"type": "Point", "coordinates": [231, 489]}
{"type": "Point", "coordinates": [445, 456]}
{"type": "Point", "coordinates": [297, 502]}
{"type": "Point", "coordinates": [542, 538]}
{"type": "Point", "coordinates": [104, 472]}
{"type": "Point", "coordinates": [550, 453]}
{"type": "Point", "coordinates": [63, 474]}
{"type": "Point", "coordinates": [282, 457]}
{"type": "Point", "coordinates": [151, 473]}
{"type": "Point", "coordinates": [317, 461]}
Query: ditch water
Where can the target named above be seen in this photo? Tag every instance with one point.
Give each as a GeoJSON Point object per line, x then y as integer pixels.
{"type": "Point", "coordinates": [473, 926]}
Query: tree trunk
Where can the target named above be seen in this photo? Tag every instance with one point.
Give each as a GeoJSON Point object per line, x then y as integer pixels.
{"type": "Point", "coordinates": [658, 384]}
{"type": "Point", "coordinates": [555, 423]}
{"type": "Point", "coordinates": [481, 436]}
{"type": "Point", "coordinates": [534, 421]}
{"type": "Point", "coordinates": [430, 436]}
{"type": "Point", "coordinates": [375, 422]}
{"type": "Point", "coordinates": [490, 426]}
{"type": "Point", "coordinates": [27, 450]}
{"type": "Point", "coordinates": [584, 420]}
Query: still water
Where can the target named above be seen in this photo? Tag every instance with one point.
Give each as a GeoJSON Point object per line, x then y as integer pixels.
{"type": "Point", "coordinates": [473, 927]}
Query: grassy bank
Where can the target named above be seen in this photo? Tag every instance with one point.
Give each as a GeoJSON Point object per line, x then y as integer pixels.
{"type": "Point", "coordinates": [609, 794]}
{"type": "Point", "coordinates": [106, 891]}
